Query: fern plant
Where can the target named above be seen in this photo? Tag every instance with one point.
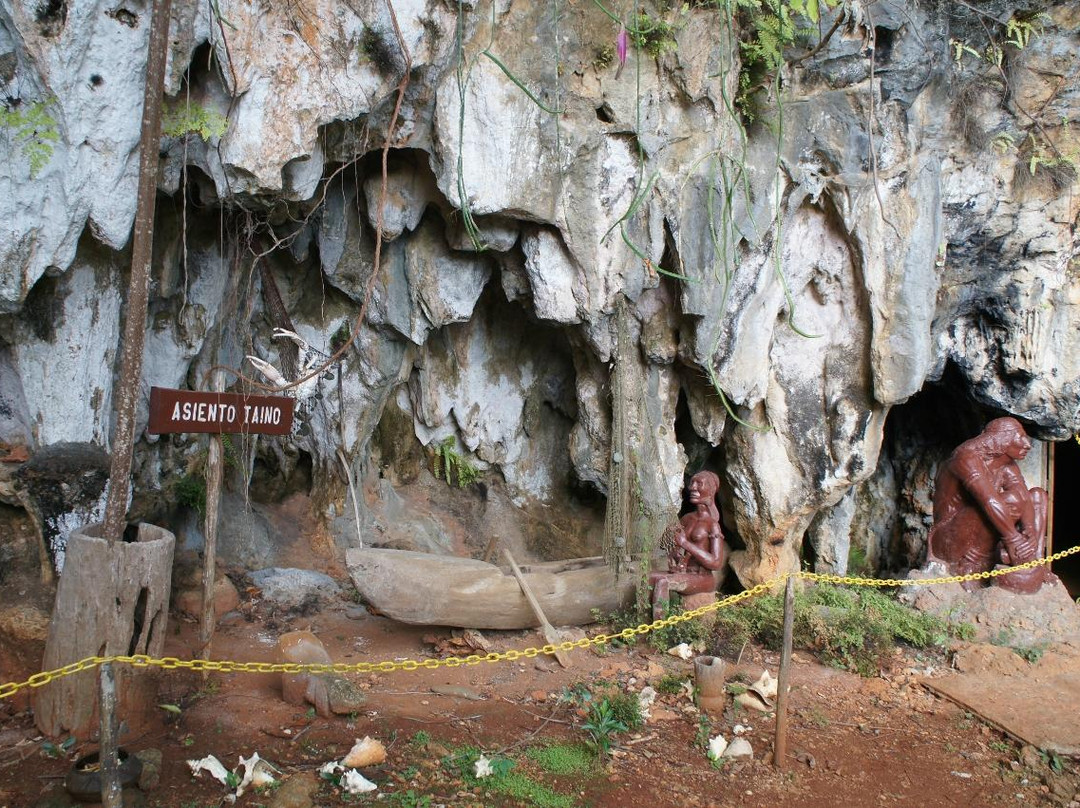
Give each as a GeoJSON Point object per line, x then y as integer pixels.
{"type": "Point", "coordinates": [452, 467]}
{"type": "Point", "coordinates": [773, 30]}
{"type": "Point", "coordinates": [33, 130]}
{"type": "Point", "coordinates": [180, 120]}
{"type": "Point", "coordinates": [773, 25]}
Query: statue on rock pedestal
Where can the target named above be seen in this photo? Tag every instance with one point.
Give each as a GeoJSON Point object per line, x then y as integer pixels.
{"type": "Point", "coordinates": [696, 547]}
{"type": "Point", "coordinates": [984, 513]}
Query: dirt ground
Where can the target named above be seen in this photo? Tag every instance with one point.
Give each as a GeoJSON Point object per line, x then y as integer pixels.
{"type": "Point", "coordinates": [853, 742]}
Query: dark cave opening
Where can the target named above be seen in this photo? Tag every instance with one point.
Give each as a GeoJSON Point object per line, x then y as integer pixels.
{"type": "Point", "coordinates": [703, 456]}
{"type": "Point", "coordinates": [921, 433]}
{"type": "Point", "coordinates": [1065, 530]}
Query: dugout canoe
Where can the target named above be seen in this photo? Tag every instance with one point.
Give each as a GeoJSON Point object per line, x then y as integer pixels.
{"type": "Point", "coordinates": [435, 590]}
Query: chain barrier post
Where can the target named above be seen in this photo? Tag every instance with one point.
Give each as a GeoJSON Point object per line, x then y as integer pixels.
{"type": "Point", "coordinates": [108, 759]}
{"type": "Point", "coordinates": [784, 677]}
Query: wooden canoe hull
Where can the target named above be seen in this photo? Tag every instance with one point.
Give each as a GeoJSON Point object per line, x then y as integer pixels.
{"type": "Point", "coordinates": [427, 589]}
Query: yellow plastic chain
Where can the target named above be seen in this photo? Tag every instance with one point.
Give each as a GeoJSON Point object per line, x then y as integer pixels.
{"type": "Point", "coordinates": [229, 666]}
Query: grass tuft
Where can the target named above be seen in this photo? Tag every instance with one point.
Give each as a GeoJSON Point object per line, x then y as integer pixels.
{"type": "Point", "coordinates": [849, 628]}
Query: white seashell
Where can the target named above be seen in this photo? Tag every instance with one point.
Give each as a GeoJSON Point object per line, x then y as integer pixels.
{"type": "Point", "coordinates": [717, 746]}
{"type": "Point", "coordinates": [365, 752]}
{"type": "Point", "coordinates": [257, 772]}
{"type": "Point", "coordinates": [739, 748]}
{"type": "Point", "coordinates": [765, 686]}
{"type": "Point", "coordinates": [682, 651]}
{"type": "Point", "coordinates": [645, 701]}
{"type": "Point", "coordinates": [212, 765]}
{"type": "Point", "coordinates": [355, 783]}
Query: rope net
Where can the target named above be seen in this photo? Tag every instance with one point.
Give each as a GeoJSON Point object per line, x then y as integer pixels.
{"type": "Point", "coordinates": [639, 505]}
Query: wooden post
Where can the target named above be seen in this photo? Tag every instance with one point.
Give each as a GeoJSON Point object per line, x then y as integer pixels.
{"type": "Point", "coordinates": [213, 499]}
{"type": "Point", "coordinates": [214, 463]}
{"type": "Point", "coordinates": [1051, 451]}
{"type": "Point", "coordinates": [784, 683]}
{"type": "Point", "coordinates": [142, 248]}
{"type": "Point", "coordinates": [111, 796]}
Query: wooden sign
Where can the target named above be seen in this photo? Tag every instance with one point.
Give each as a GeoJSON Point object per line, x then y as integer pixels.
{"type": "Point", "coordinates": [193, 411]}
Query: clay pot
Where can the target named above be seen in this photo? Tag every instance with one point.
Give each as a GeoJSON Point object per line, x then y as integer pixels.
{"type": "Point", "coordinates": [709, 678]}
{"type": "Point", "coordinates": [85, 786]}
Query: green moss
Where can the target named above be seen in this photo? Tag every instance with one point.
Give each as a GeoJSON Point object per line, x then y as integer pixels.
{"type": "Point", "coordinates": [858, 565]}
{"type": "Point", "coordinates": [671, 684]}
{"type": "Point", "coordinates": [562, 758]}
{"type": "Point", "coordinates": [341, 336]}
{"type": "Point", "coordinates": [521, 787]}
{"type": "Point", "coordinates": [1030, 653]}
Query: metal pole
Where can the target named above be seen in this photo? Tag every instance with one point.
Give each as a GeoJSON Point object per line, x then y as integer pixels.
{"type": "Point", "coordinates": [784, 683]}
{"type": "Point", "coordinates": [111, 796]}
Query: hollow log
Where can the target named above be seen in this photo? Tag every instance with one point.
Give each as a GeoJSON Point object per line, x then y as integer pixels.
{"type": "Point", "coordinates": [110, 600]}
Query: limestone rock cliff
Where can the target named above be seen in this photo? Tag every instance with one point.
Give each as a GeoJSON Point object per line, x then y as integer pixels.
{"type": "Point", "coordinates": [892, 209]}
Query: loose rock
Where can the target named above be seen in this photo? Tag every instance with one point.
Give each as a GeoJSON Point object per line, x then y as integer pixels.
{"type": "Point", "coordinates": [151, 768]}
{"type": "Point", "coordinates": [296, 792]}
{"type": "Point", "coordinates": [289, 588]}
{"type": "Point", "coordinates": [739, 748]}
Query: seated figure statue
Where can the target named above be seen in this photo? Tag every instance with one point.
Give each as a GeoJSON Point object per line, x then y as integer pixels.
{"type": "Point", "coordinates": [984, 513]}
{"type": "Point", "coordinates": [696, 549]}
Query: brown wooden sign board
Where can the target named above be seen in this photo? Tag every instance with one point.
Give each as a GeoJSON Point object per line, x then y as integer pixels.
{"type": "Point", "coordinates": [194, 411]}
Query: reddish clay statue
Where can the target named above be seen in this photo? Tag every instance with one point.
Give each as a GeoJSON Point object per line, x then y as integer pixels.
{"type": "Point", "coordinates": [984, 513]}
{"type": "Point", "coordinates": [697, 549]}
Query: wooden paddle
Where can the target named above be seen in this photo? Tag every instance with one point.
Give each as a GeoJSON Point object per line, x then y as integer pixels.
{"type": "Point", "coordinates": [550, 634]}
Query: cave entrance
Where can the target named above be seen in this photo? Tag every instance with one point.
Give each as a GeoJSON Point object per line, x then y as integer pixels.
{"type": "Point", "coordinates": [1064, 468]}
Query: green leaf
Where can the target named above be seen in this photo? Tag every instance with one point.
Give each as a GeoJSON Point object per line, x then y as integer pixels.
{"type": "Point", "coordinates": [170, 708]}
{"type": "Point", "coordinates": [35, 129]}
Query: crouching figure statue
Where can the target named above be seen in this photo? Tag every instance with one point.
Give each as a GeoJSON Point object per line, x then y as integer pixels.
{"type": "Point", "coordinates": [985, 515]}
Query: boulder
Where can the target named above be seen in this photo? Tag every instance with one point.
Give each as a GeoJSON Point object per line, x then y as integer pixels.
{"type": "Point", "coordinates": [291, 589]}
{"type": "Point", "coordinates": [226, 598]}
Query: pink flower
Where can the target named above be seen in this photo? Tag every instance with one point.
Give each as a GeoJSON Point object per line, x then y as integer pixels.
{"type": "Point", "coordinates": [622, 44]}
